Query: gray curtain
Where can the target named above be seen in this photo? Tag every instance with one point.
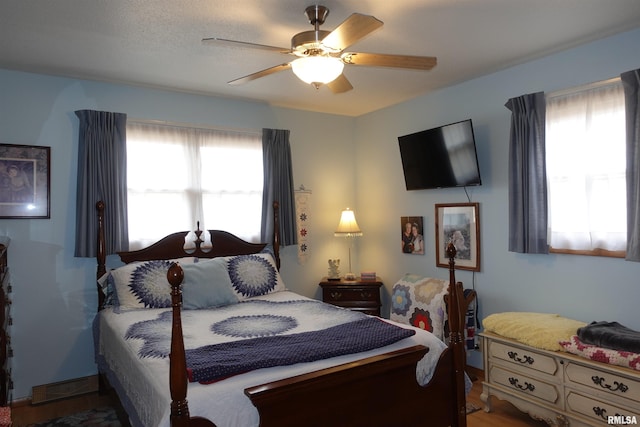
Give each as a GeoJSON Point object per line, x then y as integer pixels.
{"type": "Point", "coordinates": [102, 175]}
{"type": "Point", "coordinates": [527, 175]}
{"type": "Point", "coordinates": [631, 83]}
{"type": "Point", "coordinates": [278, 185]}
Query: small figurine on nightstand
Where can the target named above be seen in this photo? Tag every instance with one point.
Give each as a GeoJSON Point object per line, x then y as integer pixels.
{"type": "Point", "coordinates": [334, 269]}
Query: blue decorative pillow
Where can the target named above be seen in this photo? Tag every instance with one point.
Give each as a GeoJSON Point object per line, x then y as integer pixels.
{"type": "Point", "coordinates": [143, 284]}
{"type": "Point", "coordinates": [207, 284]}
{"type": "Point", "coordinates": [254, 275]}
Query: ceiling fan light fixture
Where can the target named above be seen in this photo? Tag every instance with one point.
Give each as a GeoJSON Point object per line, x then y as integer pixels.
{"type": "Point", "coordinates": [317, 69]}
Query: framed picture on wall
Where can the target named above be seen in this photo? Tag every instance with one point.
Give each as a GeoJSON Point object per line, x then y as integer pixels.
{"type": "Point", "coordinates": [412, 235]}
{"type": "Point", "coordinates": [458, 223]}
{"type": "Point", "coordinates": [24, 181]}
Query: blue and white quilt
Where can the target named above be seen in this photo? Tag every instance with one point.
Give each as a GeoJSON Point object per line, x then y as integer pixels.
{"type": "Point", "coordinates": [261, 334]}
{"type": "Point", "coordinates": [133, 347]}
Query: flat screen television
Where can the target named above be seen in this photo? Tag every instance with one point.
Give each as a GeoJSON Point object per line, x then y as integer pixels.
{"type": "Point", "coordinates": [441, 157]}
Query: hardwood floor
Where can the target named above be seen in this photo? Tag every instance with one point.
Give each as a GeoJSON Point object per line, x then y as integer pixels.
{"type": "Point", "coordinates": [503, 414]}
{"type": "Point", "coordinates": [24, 414]}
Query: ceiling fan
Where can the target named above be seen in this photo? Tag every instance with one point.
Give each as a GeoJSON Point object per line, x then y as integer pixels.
{"type": "Point", "coordinates": [321, 56]}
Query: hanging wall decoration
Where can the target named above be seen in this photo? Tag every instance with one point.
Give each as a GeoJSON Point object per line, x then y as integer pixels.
{"type": "Point", "coordinates": [24, 181]}
{"type": "Point", "coordinates": [303, 212]}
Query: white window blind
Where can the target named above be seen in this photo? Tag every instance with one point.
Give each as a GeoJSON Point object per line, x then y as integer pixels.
{"type": "Point", "coordinates": [585, 155]}
{"type": "Point", "coordinates": [178, 175]}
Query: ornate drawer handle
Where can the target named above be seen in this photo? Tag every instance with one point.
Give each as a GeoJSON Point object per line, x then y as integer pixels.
{"type": "Point", "coordinates": [336, 295]}
{"type": "Point", "coordinates": [526, 387]}
{"type": "Point", "coordinates": [365, 295]}
{"type": "Point", "coordinates": [525, 359]}
{"type": "Point", "coordinates": [616, 385]}
{"type": "Point", "coordinates": [602, 413]}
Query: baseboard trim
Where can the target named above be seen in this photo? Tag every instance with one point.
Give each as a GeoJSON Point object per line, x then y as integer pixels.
{"type": "Point", "coordinates": [64, 389]}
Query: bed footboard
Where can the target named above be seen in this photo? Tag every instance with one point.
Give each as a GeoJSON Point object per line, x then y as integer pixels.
{"type": "Point", "coordinates": [377, 391]}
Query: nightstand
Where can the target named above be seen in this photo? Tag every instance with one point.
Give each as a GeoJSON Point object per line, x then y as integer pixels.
{"type": "Point", "coordinates": [357, 295]}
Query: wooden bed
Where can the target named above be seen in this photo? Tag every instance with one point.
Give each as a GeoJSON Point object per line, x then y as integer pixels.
{"type": "Point", "coordinates": [375, 391]}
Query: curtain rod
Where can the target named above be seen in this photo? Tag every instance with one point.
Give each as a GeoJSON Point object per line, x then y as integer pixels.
{"type": "Point", "coordinates": [584, 87]}
{"type": "Point", "coordinates": [193, 126]}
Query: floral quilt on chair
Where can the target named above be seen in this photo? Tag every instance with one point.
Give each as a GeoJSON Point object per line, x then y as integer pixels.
{"type": "Point", "coordinates": [419, 301]}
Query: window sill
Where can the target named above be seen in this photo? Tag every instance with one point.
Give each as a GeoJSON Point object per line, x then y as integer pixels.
{"type": "Point", "coordinates": [593, 252]}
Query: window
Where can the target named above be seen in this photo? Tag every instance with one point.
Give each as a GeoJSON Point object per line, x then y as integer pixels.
{"type": "Point", "coordinates": [177, 175]}
{"type": "Point", "coordinates": [585, 160]}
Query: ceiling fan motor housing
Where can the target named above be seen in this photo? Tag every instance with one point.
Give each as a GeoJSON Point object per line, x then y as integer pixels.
{"type": "Point", "coordinates": [316, 14]}
{"type": "Point", "coordinates": [308, 42]}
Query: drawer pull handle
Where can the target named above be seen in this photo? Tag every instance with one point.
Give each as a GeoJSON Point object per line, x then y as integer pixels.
{"type": "Point", "coordinates": [524, 359]}
{"type": "Point", "coordinates": [602, 413]}
{"type": "Point", "coordinates": [526, 387]}
{"type": "Point", "coordinates": [621, 387]}
{"type": "Point", "coordinates": [336, 295]}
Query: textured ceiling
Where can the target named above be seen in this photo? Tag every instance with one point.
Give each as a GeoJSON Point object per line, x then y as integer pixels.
{"type": "Point", "coordinates": [158, 43]}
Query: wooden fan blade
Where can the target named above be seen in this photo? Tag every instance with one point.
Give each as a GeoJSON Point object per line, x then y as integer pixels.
{"type": "Point", "coordinates": [340, 84]}
{"type": "Point", "coordinates": [263, 73]}
{"type": "Point", "coordinates": [236, 43]}
{"type": "Point", "coordinates": [350, 31]}
{"type": "Point", "coordinates": [395, 61]}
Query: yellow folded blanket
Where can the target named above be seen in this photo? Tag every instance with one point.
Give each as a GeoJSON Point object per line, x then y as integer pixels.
{"type": "Point", "coordinates": [540, 330]}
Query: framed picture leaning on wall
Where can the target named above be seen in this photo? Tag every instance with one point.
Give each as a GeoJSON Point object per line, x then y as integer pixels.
{"type": "Point", "coordinates": [24, 181]}
{"type": "Point", "coordinates": [458, 223]}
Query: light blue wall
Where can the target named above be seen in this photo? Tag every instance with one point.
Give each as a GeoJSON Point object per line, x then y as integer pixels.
{"type": "Point", "coordinates": [344, 161]}
{"type": "Point", "coordinates": [54, 296]}
{"type": "Point", "coordinates": [584, 288]}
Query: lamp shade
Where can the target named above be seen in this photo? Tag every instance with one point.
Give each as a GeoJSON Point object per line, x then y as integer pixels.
{"type": "Point", "coordinates": [317, 69]}
{"type": "Point", "coordinates": [348, 226]}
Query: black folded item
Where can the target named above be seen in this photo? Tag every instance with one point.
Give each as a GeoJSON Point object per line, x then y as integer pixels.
{"type": "Point", "coordinates": [611, 335]}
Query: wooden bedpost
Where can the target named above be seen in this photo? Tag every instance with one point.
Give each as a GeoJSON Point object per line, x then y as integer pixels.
{"type": "Point", "coordinates": [177, 358]}
{"type": "Point", "coordinates": [101, 254]}
{"type": "Point", "coordinates": [456, 296]}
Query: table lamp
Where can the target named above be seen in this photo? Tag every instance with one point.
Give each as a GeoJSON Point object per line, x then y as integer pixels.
{"type": "Point", "coordinates": [348, 227]}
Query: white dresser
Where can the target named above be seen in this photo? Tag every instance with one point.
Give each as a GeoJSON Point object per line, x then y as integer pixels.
{"type": "Point", "coordinates": [557, 387]}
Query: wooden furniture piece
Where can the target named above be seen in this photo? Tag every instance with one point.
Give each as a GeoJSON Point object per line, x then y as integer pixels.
{"type": "Point", "coordinates": [376, 391]}
{"type": "Point", "coordinates": [559, 388]}
{"type": "Point", "coordinates": [6, 352]}
{"type": "Point", "coordinates": [358, 295]}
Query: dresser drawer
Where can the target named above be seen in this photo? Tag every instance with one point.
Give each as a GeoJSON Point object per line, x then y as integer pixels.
{"type": "Point", "coordinates": [603, 381]}
{"type": "Point", "coordinates": [593, 408]}
{"type": "Point", "coordinates": [523, 357]}
{"type": "Point", "coordinates": [525, 385]}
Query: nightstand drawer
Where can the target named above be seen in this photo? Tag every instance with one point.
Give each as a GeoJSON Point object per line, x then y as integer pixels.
{"type": "Point", "coordinates": [342, 294]}
{"type": "Point", "coordinates": [357, 295]}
